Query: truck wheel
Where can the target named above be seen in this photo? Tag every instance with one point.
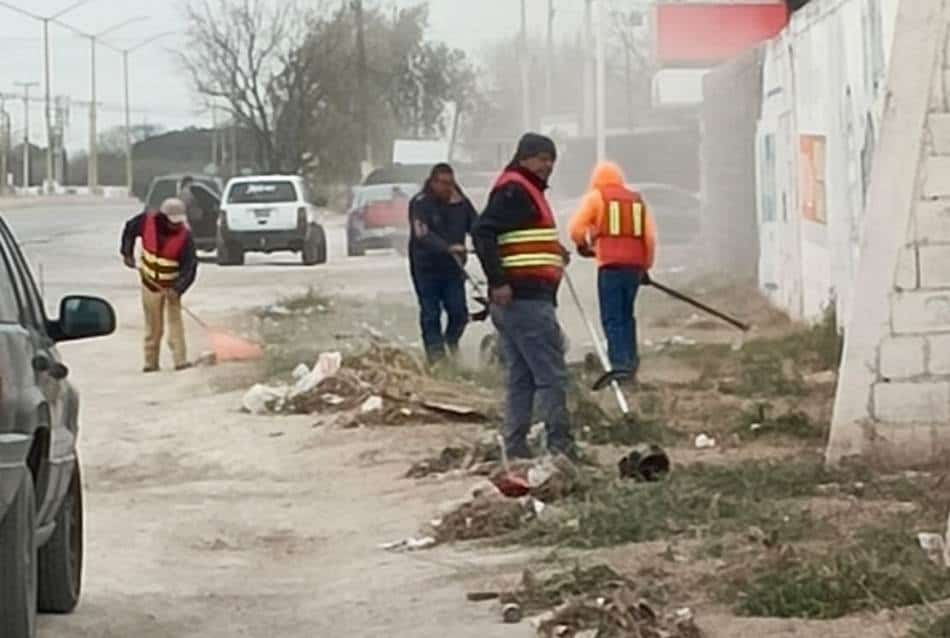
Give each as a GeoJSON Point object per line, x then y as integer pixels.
{"type": "Point", "coordinates": [354, 248]}
{"type": "Point", "coordinates": [311, 253]}
{"type": "Point", "coordinates": [18, 571]}
{"type": "Point", "coordinates": [229, 253]}
{"type": "Point", "coordinates": [60, 560]}
{"type": "Point", "coordinates": [323, 252]}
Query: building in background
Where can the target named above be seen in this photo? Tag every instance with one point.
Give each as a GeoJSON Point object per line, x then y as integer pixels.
{"type": "Point", "coordinates": [822, 98]}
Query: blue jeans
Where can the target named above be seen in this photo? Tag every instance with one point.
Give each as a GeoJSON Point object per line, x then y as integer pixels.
{"type": "Point", "coordinates": [438, 293]}
{"type": "Point", "coordinates": [617, 289]}
{"type": "Point", "coordinates": [532, 351]}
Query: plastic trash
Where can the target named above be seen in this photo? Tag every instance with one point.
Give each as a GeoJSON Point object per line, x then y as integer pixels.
{"type": "Point", "coordinates": [704, 442]}
{"type": "Point", "coordinates": [263, 399]}
{"type": "Point", "coordinates": [372, 404]}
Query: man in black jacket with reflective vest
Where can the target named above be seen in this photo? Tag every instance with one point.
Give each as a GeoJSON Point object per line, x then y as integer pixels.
{"type": "Point", "coordinates": [517, 242]}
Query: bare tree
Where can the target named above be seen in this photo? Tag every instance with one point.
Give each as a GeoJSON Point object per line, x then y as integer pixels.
{"type": "Point", "coordinates": [235, 50]}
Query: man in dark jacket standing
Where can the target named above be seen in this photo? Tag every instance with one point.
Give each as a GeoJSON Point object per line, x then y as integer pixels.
{"type": "Point", "coordinates": [441, 218]}
{"type": "Point", "coordinates": [517, 243]}
{"type": "Point", "coordinates": [168, 268]}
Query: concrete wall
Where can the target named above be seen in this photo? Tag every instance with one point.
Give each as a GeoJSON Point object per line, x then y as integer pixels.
{"type": "Point", "coordinates": [732, 99]}
{"type": "Point", "coordinates": [823, 86]}
{"type": "Point", "coordinates": [893, 399]}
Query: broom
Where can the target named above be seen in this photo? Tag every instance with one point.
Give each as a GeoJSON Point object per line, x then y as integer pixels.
{"type": "Point", "coordinates": [226, 346]}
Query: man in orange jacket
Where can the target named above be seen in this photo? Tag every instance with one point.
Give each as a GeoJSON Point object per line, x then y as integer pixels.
{"type": "Point", "coordinates": [614, 225]}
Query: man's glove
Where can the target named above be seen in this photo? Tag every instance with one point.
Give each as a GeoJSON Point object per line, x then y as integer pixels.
{"type": "Point", "coordinates": [129, 262]}
{"type": "Point", "coordinates": [645, 278]}
{"type": "Point", "coordinates": [584, 250]}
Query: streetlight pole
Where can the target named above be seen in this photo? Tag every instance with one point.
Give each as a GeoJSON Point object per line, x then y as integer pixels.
{"type": "Point", "coordinates": [601, 82]}
{"type": "Point", "coordinates": [4, 144]}
{"type": "Point", "coordinates": [525, 76]}
{"type": "Point", "coordinates": [50, 151]}
{"type": "Point", "coordinates": [26, 86]}
{"type": "Point", "coordinates": [93, 172]}
{"type": "Point", "coordinates": [129, 168]}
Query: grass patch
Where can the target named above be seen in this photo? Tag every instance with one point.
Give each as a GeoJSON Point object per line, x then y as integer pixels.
{"type": "Point", "coordinates": [760, 424]}
{"type": "Point", "coordinates": [883, 568]}
{"type": "Point", "coordinates": [931, 626]}
{"type": "Point", "coordinates": [713, 500]}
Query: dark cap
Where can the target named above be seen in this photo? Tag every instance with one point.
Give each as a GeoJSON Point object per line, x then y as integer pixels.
{"type": "Point", "coordinates": [532, 144]}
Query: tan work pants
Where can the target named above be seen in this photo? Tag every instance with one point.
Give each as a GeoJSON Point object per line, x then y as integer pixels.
{"type": "Point", "coordinates": [156, 305]}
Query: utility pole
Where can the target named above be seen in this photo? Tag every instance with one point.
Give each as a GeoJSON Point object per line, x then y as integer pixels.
{"type": "Point", "coordinates": [549, 66]}
{"type": "Point", "coordinates": [50, 177]}
{"type": "Point", "coordinates": [129, 168]}
{"type": "Point", "coordinates": [362, 80]}
{"type": "Point", "coordinates": [26, 86]}
{"type": "Point", "coordinates": [234, 148]}
{"type": "Point", "coordinates": [525, 89]}
{"type": "Point", "coordinates": [601, 81]}
{"type": "Point", "coordinates": [4, 145]}
{"type": "Point", "coordinates": [588, 90]}
{"type": "Point", "coordinates": [93, 173]}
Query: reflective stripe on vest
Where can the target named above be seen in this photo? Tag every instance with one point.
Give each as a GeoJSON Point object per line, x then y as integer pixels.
{"type": "Point", "coordinates": [160, 265]}
{"type": "Point", "coordinates": [533, 252]}
{"type": "Point", "coordinates": [617, 210]}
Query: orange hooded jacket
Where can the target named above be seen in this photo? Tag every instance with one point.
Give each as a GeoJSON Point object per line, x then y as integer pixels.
{"type": "Point", "coordinates": [589, 219]}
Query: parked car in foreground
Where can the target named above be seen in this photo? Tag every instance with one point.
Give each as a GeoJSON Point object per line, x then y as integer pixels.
{"type": "Point", "coordinates": [41, 514]}
{"type": "Point", "coordinates": [270, 213]}
{"type": "Point", "coordinates": [203, 216]}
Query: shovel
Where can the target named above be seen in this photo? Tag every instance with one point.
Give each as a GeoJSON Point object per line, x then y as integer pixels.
{"type": "Point", "coordinates": [226, 346]}
{"type": "Point", "coordinates": [611, 378]}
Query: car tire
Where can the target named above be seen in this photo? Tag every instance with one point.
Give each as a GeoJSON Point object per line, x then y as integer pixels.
{"type": "Point", "coordinates": [18, 565]}
{"type": "Point", "coordinates": [354, 248]}
{"type": "Point", "coordinates": [315, 247]}
{"type": "Point", "coordinates": [61, 559]}
{"type": "Point", "coordinates": [229, 253]}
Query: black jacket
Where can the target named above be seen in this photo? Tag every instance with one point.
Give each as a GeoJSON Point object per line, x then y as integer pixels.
{"type": "Point", "coordinates": [189, 257]}
{"type": "Point", "coordinates": [446, 224]}
{"type": "Point", "coordinates": [509, 208]}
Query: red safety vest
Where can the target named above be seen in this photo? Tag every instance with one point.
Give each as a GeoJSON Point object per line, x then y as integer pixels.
{"type": "Point", "coordinates": [531, 252]}
{"type": "Point", "coordinates": [160, 266]}
{"type": "Point", "coordinates": [621, 231]}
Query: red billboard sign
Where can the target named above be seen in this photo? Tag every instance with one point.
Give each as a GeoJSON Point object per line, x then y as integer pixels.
{"type": "Point", "coordinates": [707, 34]}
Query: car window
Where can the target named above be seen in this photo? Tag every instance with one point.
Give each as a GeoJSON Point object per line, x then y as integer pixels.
{"type": "Point", "coordinates": [383, 193]}
{"type": "Point", "coordinates": [34, 312]}
{"type": "Point", "coordinates": [274, 192]}
{"type": "Point", "coordinates": [162, 190]}
{"type": "Point", "coordinates": [9, 302]}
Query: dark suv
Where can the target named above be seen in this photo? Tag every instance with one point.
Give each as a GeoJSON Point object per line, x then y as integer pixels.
{"type": "Point", "coordinates": [41, 536]}
{"type": "Point", "coordinates": [203, 216]}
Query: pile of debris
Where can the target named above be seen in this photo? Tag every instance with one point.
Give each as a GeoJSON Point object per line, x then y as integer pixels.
{"type": "Point", "coordinates": [384, 386]}
{"type": "Point", "coordinates": [594, 603]}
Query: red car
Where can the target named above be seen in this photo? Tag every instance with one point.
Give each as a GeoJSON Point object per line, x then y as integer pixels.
{"type": "Point", "coordinates": [379, 218]}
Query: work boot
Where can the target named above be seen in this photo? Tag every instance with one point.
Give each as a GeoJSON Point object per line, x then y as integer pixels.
{"type": "Point", "coordinates": [149, 369]}
{"type": "Point", "coordinates": [183, 366]}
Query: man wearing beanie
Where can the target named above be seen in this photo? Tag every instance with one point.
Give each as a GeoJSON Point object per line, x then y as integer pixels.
{"type": "Point", "coordinates": [517, 243]}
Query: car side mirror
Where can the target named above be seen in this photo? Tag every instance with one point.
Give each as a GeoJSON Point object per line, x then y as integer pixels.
{"type": "Point", "coordinates": [82, 317]}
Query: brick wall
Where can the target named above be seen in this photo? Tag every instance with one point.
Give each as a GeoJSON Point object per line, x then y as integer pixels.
{"type": "Point", "coordinates": [893, 398]}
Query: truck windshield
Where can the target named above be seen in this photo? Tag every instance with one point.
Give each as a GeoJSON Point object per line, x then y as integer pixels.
{"type": "Point", "coordinates": [262, 193]}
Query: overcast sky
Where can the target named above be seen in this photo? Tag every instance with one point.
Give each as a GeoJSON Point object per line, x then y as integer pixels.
{"type": "Point", "coordinates": [161, 92]}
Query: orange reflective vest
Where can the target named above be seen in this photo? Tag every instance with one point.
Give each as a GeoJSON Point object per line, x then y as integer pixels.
{"type": "Point", "coordinates": [160, 265]}
{"type": "Point", "coordinates": [621, 230]}
{"type": "Point", "coordinates": [532, 252]}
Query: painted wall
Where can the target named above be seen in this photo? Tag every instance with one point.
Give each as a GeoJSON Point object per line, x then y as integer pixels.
{"type": "Point", "coordinates": [823, 84]}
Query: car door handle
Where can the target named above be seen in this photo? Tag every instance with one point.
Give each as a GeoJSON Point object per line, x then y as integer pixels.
{"type": "Point", "coordinates": [56, 370]}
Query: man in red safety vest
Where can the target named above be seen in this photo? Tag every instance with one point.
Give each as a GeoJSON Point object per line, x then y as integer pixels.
{"type": "Point", "coordinates": [517, 243]}
{"type": "Point", "coordinates": [168, 267]}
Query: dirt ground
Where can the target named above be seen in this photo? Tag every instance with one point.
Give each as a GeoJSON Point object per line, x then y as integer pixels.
{"type": "Point", "coordinates": [204, 521]}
